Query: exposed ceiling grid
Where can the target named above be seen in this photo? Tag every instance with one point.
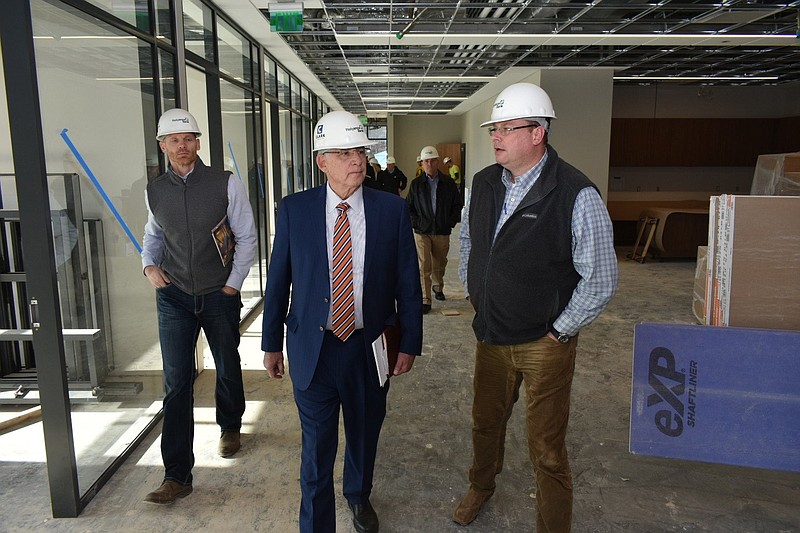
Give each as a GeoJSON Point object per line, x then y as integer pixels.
{"type": "Point", "coordinates": [443, 43]}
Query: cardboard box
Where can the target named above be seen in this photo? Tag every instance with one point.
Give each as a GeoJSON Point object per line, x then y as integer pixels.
{"type": "Point", "coordinates": [753, 262]}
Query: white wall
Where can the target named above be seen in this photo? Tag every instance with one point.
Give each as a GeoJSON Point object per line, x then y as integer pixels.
{"type": "Point", "coordinates": [412, 132]}
{"type": "Point", "coordinates": [581, 133]}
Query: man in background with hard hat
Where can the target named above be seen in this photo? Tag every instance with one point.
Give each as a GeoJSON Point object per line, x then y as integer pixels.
{"type": "Point", "coordinates": [197, 281]}
{"type": "Point", "coordinates": [419, 170]}
{"type": "Point", "coordinates": [371, 174]}
{"type": "Point", "coordinates": [346, 254]}
{"type": "Point", "coordinates": [454, 171]}
{"type": "Point", "coordinates": [392, 179]}
{"type": "Point", "coordinates": [435, 205]}
{"type": "Point", "coordinates": [538, 262]}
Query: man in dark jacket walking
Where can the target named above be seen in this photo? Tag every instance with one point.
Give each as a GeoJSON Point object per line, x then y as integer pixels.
{"type": "Point", "coordinates": [435, 204]}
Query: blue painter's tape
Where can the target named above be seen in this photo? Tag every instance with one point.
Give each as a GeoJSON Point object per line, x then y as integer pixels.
{"type": "Point", "coordinates": [99, 187]}
{"type": "Point", "coordinates": [235, 164]}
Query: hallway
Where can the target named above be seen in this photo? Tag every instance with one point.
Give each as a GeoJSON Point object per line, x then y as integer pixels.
{"type": "Point", "coordinates": [425, 448]}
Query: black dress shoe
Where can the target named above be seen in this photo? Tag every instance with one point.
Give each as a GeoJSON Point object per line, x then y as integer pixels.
{"type": "Point", "coordinates": [365, 519]}
{"type": "Point", "coordinates": [439, 295]}
{"type": "Point", "coordinates": [426, 308]}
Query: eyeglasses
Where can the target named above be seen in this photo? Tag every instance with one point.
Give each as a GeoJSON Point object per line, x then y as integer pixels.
{"type": "Point", "coordinates": [505, 131]}
{"type": "Point", "coordinates": [347, 154]}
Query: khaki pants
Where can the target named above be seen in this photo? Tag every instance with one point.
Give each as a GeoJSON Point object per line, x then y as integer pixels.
{"type": "Point", "coordinates": [546, 368]}
{"type": "Point", "coordinates": [432, 254]}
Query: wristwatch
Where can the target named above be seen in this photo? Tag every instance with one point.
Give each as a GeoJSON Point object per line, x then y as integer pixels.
{"type": "Point", "coordinates": [563, 338]}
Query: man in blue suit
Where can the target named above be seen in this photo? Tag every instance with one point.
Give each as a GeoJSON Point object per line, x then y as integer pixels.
{"type": "Point", "coordinates": [331, 358]}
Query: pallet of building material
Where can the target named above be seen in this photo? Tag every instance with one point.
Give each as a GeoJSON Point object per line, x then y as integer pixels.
{"type": "Point", "coordinates": [718, 395]}
{"type": "Point", "coordinates": [753, 261]}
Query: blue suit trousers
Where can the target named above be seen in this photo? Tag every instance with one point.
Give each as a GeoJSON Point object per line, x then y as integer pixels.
{"type": "Point", "coordinates": [345, 378]}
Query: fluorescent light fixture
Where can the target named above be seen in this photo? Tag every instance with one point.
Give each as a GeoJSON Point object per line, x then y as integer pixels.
{"type": "Point", "coordinates": [414, 98]}
{"type": "Point", "coordinates": [696, 78]}
{"type": "Point", "coordinates": [101, 37]}
{"type": "Point", "coordinates": [431, 79]}
{"type": "Point", "coordinates": [401, 111]}
{"type": "Point", "coordinates": [126, 79]}
{"type": "Point", "coordinates": [573, 39]}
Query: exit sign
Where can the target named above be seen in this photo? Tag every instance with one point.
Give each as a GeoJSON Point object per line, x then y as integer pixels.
{"type": "Point", "coordinates": [286, 17]}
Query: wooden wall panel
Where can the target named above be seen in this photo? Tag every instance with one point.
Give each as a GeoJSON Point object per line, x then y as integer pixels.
{"type": "Point", "coordinates": [711, 142]}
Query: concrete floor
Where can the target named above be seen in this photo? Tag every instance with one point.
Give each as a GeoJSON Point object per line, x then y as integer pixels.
{"type": "Point", "coordinates": [425, 448]}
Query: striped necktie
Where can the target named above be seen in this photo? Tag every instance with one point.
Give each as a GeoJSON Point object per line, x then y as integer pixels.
{"type": "Point", "coordinates": [343, 303]}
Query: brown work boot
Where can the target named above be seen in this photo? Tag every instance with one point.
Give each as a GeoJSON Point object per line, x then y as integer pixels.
{"type": "Point", "coordinates": [167, 492]}
{"type": "Point", "coordinates": [469, 507]}
{"type": "Point", "coordinates": [229, 443]}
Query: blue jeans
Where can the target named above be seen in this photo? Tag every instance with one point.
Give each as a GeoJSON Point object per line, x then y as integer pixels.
{"type": "Point", "coordinates": [180, 318]}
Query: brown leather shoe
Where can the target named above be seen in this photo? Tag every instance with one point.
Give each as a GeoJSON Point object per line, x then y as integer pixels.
{"type": "Point", "coordinates": [469, 507]}
{"type": "Point", "coordinates": [167, 492]}
{"type": "Point", "coordinates": [229, 443]}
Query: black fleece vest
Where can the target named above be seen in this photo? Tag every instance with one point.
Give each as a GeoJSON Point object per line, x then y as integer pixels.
{"type": "Point", "coordinates": [521, 282]}
{"type": "Point", "coordinates": [187, 212]}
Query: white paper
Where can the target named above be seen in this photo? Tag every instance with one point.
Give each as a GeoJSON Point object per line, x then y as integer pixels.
{"type": "Point", "coordinates": [381, 358]}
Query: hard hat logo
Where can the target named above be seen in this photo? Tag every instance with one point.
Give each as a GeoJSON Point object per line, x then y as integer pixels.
{"type": "Point", "coordinates": [340, 129]}
{"type": "Point", "coordinates": [499, 104]}
{"type": "Point", "coordinates": [176, 121]}
{"type": "Point", "coordinates": [429, 152]}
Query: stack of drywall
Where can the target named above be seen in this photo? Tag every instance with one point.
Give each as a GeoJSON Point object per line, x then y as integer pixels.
{"type": "Point", "coordinates": [753, 262]}
{"type": "Point", "coordinates": [777, 175]}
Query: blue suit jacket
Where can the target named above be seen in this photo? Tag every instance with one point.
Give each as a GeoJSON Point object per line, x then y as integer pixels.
{"type": "Point", "coordinates": [300, 262]}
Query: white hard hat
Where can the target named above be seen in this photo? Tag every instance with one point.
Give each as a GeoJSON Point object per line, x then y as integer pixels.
{"type": "Point", "coordinates": [419, 159]}
{"type": "Point", "coordinates": [446, 160]}
{"type": "Point", "coordinates": [390, 160]}
{"type": "Point", "coordinates": [521, 100]}
{"type": "Point", "coordinates": [340, 129]}
{"type": "Point", "coordinates": [373, 161]}
{"type": "Point", "coordinates": [429, 152]}
{"type": "Point", "coordinates": [176, 121]}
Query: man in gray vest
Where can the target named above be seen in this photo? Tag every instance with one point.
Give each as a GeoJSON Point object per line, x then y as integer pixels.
{"type": "Point", "coordinates": [538, 261]}
{"type": "Point", "coordinates": [199, 245]}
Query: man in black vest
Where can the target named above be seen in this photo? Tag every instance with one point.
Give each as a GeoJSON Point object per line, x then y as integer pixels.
{"type": "Point", "coordinates": [195, 214]}
{"type": "Point", "coordinates": [538, 262]}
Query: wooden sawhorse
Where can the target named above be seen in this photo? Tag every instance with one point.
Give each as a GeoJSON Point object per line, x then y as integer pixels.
{"type": "Point", "coordinates": [647, 225]}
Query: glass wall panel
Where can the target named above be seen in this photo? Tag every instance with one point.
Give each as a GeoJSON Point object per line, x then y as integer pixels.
{"type": "Point", "coordinates": [164, 20]}
{"type": "Point", "coordinates": [167, 88]}
{"type": "Point", "coordinates": [283, 87]}
{"type": "Point", "coordinates": [305, 101]}
{"type": "Point", "coordinates": [270, 77]}
{"type": "Point", "coordinates": [272, 196]}
{"type": "Point", "coordinates": [258, 183]}
{"type": "Point", "coordinates": [295, 87]}
{"type": "Point", "coordinates": [239, 141]}
{"type": "Point", "coordinates": [198, 107]}
{"type": "Point", "coordinates": [301, 179]}
{"type": "Point", "coordinates": [98, 112]}
{"type": "Point", "coordinates": [285, 136]}
{"type": "Point", "coordinates": [6, 162]}
{"type": "Point", "coordinates": [234, 53]}
{"type": "Point", "coordinates": [198, 29]}
{"type": "Point", "coordinates": [134, 12]}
